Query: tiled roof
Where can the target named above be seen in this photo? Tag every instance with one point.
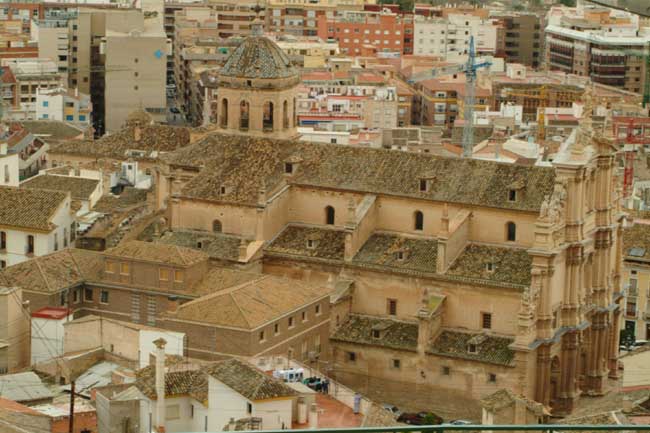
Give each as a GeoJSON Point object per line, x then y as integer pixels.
{"type": "Point", "coordinates": [218, 278]}
{"type": "Point", "coordinates": [215, 245]}
{"type": "Point", "coordinates": [157, 252]}
{"type": "Point", "coordinates": [177, 383]}
{"type": "Point", "coordinates": [510, 265]}
{"type": "Point", "coordinates": [7, 76]}
{"type": "Point", "coordinates": [80, 188]}
{"type": "Point", "coordinates": [54, 272]}
{"type": "Point", "coordinates": [327, 243]}
{"type": "Point", "coordinates": [129, 198]}
{"type": "Point", "coordinates": [158, 138]}
{"type": "Point", "coordinates": [382, 249]}
{"type": "Point", "coordinates": [489, 349]}
{"type": "Point", "coordinates": [29, 208]}
{"type": "Point", "coordinates": [51, 129]}
{"type": "Point", "coordinates": [252, 304]}
{"type": "Point", "coordinates": [636, 242]}
{"type": "Point", "coordinates": [248, 381]}
{"type": "Point", "coordinates": [258, 57]}
{"type": "Point", "coordinates": [247, 163]}
{"type": "Point", "coordinates": [393, 334]}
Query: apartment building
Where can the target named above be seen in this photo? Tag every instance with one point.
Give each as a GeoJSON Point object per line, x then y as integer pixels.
{"type": "Point", "coordinates": [8, 89]}
{"type": "Point", "coordinates": [386, 31]}
{"type": "Point", "coordinates": [14, 331]}
{"type": "Point", "coordinates": [605, 45]}
{"type": "Point", "coordinates": [308, 52]}
{"type": "Point", "coordinates": [636, 278]}
{"type": "Point", "coordinates": [64, 105]}
{"type": "Point", "coordinates": [53, 38]}
{"type": "Point", "coordinates": [300, 18]}
{"type": "Point", "coordinates": [33, 222]}
{"type": "Point", "coordinates": [448, 38]}
{"type": "Point", "coordinates": [522, 38]}
{"type": "Point", "coordinates": [15, 42]}
{"type": "Point", "coordinates": [31, 75]}
{"type": "Point", "coordinates": [24, 12]}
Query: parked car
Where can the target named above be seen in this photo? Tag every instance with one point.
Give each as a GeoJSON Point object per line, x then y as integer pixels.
{"type": "Point", "coordinates": [420, 418]}
{"type": "Point", "coordinates": [461, 422]}
{"type": "Point", "coordinates": [175, 110]}
{"type": "Point", "coordinates": [392, 409]}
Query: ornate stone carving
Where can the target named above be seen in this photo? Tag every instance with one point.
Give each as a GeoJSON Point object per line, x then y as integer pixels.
{"type": "Point", "coordinates": [552, 209]}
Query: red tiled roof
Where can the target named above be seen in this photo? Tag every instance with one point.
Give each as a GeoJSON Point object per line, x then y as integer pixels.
{"type": "Point", "coordinates": [562, 117]}
{"type": "Point", "coordinates": [17, 407]}
{"type": "Point", "coordinates": [7, 75]}
{"type": "Point", "coordinates": [54, 313]}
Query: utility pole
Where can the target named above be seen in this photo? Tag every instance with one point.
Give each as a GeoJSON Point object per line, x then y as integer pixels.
{"type": "Point", "coordinates": [71, 423]}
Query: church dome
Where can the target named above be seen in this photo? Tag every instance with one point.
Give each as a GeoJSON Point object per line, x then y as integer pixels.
{"type": "Point", "coordinates": [258, 58]}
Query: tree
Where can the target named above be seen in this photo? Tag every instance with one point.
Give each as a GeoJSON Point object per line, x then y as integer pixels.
{"type": "Point", "coordinates": [570, 3]}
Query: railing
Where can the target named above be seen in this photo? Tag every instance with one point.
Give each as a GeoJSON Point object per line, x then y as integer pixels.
{"type": "Point", "coordinates": [548, 428]}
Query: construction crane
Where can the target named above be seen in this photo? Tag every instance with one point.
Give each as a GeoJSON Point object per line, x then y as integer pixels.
{"type": "Point", "coordinates": [630, 142]}
{"type": "Point", "coordinates": [469, 68]}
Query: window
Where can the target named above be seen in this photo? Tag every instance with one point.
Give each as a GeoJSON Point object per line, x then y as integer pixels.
{"type": "Point", "coordinates": [332, 140]}
{"type": "Point", "coordinates": [511, 231]}
{"type": "Point", "coordinates": [103, 297]}
{"type": "Point", "coordinates": [191, 411]}
{"type": "Point", "coordinates": [317, 309]}
{"type": "Point", "coordinates": [262, 339]}
{"type": "Point", "coordinates": [304, 316]}
{"type": "Point", "coordinates": [69, 118]}
{"type": "Point", "coordinates": [46, 104]}
{"type": "Point", "coordinates": [512, 195]}
{"type": "Point", "coordinates": [311, 244]}
{"type": "Point", "coordinates": [76, 296]}
{"type": "Point", "coordinates": [376, 334]}
{"type": "Point", "coordinates": [82, 117]}
{"type": "Point", "coordinates": [396, 363]}
{"type": "Point", "coordinates": [392, 307]}
{"type": "Point", "coordinates": [290, 322]}
{"type": "Point", "coordinates": [88, 295]}
{"type": "Point", "coordinates": [178, 276]}
{"type": "Point", "coordinates": [63, 296]}
{"type": "Point", "coordinates": [489, 267]}
{"type": "Point", "coordinates": [351, 356]}
{"type": "Point", "coordinates": [3, 264]}
{"type": "Point", "coordinates": [486, 320]}
{"type": "Point", "coordinates": [276, 329]}
{"type": "Point", "coordinates": [492, 378]}
{"type": "Point", "coordinates": [30, 244]}
{"type": "Point", "coordinates": [267, 116]}
{"type": "Point", "coordinates": [3, 240]}
{"type": "Point", "coordinates": [446, 371]}
{"type": "Point", "coordinates": [216, 226]}
{"type": "Point", "coordinates": [471, 348]}
{"type": "Point", "coordinates": [329, 215]}
{"type": "Point", "coordinates": [418, 220]}
{"type": "Point", "coordinates": [65, 236]}
{"type": "Point", "coordinates": [288, 167]}
{"type": "Point", "coordinates": [244, 113]}
{"type": "Point", "coordinates": [56, 241]}
{"type": "Point", "coordinates": [249, 408]}
{"type": "Point", "coordinates": [7, 176]}
{"type": "Point", "coordinates": [163, 274]}
{"type": "Point", "coordinates": [109, 268]}
{"type": "Point", "coordinates": [124, 268]}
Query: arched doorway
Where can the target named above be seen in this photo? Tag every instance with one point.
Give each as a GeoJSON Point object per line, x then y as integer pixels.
{"type": "Point", "coordinates": [285, 114]}
{"type": "Point", "coordinates": [244, 115]}
{"type": "Point", "coordinates": [267, 119]}
{"type": "Point", "coordinates": [223, 116]}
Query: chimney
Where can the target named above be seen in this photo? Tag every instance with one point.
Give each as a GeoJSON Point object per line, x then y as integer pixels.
{"type": "Point", "coordinates": [160, 384]}
{"type": "Point", "coordinates": [313, 416]}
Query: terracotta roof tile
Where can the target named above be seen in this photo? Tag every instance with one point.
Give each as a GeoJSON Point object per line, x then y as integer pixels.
{"type": "Point", "coordinates": [258, 57]}
{"type": "Point", "coordinates": [252, 304]}
{"type": "Point", "coordinates": [382, 249]}
{"type": "Point", "coordinates": [636, 242]}
{"type": "Point", "coordinates": [80, 188]}
{"type": "Point", "coordinates": [29, 208]}
{"type": "Point", "coordinates": [509, 265]}
{"type": "Point", "coordinates": [489, 349]}
{"type": "Point", "coordinates": [215, 245]}
{"type": "Point", "coordinates": [248, 163]}
{"type": "Point", "coordinates": [326, 243]}
{"type": "Point", "coordinates": [157, 252]}
{"type": "Point", "coordinates": [393, 334]}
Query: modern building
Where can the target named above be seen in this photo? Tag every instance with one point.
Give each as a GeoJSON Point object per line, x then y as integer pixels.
{"type": "Point", "coordinates": [636, 279]}
{"type": "Point", "coordinates": [53, 37]}
{"type": "Point", "coordinates": [606, 45]}
{"type": "Point", "coordinates": [386, 31]}
{"type": "Point", "coordinates": [300, 18]}
{"type": "Point", "coordinates": [448, 38]}
{"type": "Point", "coordinates": [64, 105]}
{"type": "Point", "coordinates": [31, 75]}
{"type": "Point", "coordinates": [520, 44]}
{"type": "Point", "coordinates": [32, 223]}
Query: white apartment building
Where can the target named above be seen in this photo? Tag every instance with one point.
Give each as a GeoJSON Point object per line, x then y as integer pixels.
{"type": "Point", "coordinates": [33, 222]}
{"type": "Point", "coordinates": [31, 75]}
{"type": "Point", "coordinates": [64, 105]}
{"type": "Point", "coordinates": [9, 166]}
{"type": "Point", "coordinates": [449, 37]}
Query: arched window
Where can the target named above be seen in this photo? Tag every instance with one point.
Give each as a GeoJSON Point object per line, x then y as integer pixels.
{"type": "Point", "coordinates": [285, 114]}
{"type": "Point", "coordinates": [511, 231]}
{"type": "Point", "coordinates": [244, 112]}
{"type": "Point", "coordinates": [216, 226]}
{"type": "Point", "coordinates": [224, 113]}
{"type": "Point", "coordinates": [3, 240]}
{"type": "Point", "coordinates": [267, 113]}
{"type": "Point", "coordinates": [418, 220]}
{"type": "Point", "coordinates": [30, 244]}
{"type": "Point", "coordinates": [329, 215]}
